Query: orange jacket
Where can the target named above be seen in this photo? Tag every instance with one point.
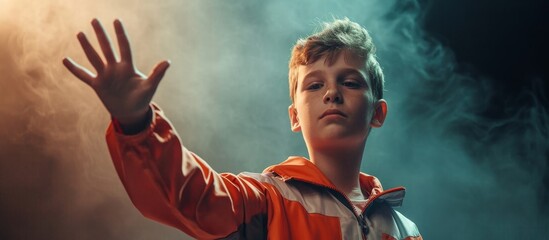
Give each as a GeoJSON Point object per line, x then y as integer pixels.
{"type": "Point", "coordinates": [292, 200]}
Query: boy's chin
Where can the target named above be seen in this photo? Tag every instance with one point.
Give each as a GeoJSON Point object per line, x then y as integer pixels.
{"type": "Point", "coordinates": [339, 140]}
{"type": "Point", "coordinates": [339, 133]}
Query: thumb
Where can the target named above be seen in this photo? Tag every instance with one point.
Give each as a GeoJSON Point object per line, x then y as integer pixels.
{"type": "Point", "coordinates": [157, 73]}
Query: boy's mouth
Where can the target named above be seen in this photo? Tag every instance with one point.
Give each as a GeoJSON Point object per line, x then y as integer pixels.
{"type": "Point", "coordinates": [332, 111]}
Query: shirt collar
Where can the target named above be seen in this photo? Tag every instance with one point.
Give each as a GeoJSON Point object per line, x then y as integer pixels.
{"type": "Point", "coordinates": [301, 169]}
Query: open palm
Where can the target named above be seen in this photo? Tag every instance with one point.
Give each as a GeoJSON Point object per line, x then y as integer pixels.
{"type": "Point", "coordinates": [125, 92]}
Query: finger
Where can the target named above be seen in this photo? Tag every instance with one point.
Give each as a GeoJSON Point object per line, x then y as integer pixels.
{"type": "Point", "coordinates": [123, 42]}
{"type": "Point", "coordinates": [104, 41]}
{"type": "Point", "coordinates": [78, 71]}
{"type": "Point", "coordinates": [92, 55]}
{"type": "Point", "coordinates": [157, 73]}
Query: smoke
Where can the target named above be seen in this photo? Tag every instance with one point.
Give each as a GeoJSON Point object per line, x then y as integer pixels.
{"type": "Point", "coordinates": [480, 177]}
{"type": "Point", "coordinates": [226, 93]}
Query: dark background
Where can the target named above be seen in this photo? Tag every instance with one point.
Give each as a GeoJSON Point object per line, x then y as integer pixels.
{"type": "Point", "coordinates": [504, 44]}
{"type": "Point", "coordinates": [504, 41]}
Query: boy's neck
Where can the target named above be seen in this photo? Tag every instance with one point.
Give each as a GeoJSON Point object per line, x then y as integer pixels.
{"type": "Point", "coordinates": [342, 168]}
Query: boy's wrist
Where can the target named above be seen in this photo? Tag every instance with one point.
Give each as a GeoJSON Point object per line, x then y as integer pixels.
{"type": "Point", "coordinates": [134, 125]}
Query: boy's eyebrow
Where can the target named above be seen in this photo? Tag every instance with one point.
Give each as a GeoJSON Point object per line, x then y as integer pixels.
{"type": "Point", "coordinates": [344, 72]}
{"type": "Point", "coordinates": [313, 74]}
{"type": "Point", "coordinates": [350, 71]}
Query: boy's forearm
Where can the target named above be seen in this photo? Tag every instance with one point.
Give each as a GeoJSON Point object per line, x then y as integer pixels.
{"type": "Point", "coordinates": [170, 184]}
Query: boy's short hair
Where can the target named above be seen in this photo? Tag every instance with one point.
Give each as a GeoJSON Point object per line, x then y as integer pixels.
{"type": "Point", "coordinates": [334, 37]}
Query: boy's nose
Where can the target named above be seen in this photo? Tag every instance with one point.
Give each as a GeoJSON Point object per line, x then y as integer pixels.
{"type": "Point", "coordinates": [333, 96]}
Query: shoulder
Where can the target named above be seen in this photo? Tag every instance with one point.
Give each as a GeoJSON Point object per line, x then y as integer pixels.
{"type": "Point", "coordinates": [269, 180]}
{"type": "Point", "coordinates": [268, 177]}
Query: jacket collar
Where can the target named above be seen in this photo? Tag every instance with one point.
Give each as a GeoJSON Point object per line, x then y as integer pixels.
{"type": "Point", "coordinates": [301, 169]}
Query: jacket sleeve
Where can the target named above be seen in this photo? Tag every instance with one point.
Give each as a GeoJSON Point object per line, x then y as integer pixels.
{"type": "Point", "coordinates": [170, 184]}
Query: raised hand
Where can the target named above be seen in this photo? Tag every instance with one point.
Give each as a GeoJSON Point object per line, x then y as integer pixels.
{"type": "Point", "coordinates": [125, 92]}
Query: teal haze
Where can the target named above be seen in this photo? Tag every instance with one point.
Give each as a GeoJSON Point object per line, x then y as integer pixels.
{"type": "Point", "coordinates": [468, 176]}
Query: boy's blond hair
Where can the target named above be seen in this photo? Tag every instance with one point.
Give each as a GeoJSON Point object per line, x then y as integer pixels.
{"type": "Point", "coordinates": [341, 34]}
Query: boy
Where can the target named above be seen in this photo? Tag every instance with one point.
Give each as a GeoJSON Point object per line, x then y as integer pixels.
{"type": "Point", "coordinates": [336, 87]}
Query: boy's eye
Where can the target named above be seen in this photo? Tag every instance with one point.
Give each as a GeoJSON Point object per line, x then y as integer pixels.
{"type": "Point", "coordinates": [351, 84]}
{"type": "Point", "coordinates": [314, 86]}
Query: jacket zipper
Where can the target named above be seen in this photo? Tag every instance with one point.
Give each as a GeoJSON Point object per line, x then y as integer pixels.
{"type": "Point", "coordinates": [360, 219]}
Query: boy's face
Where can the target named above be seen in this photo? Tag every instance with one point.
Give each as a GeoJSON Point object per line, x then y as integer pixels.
{"type": "Point", "coordinates": [333, 105]}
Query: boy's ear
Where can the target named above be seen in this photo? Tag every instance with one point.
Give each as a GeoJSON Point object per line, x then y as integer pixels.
{"type": "Point", "coordinates": [380, 112]}
{"type": "Point", "coordinates": [294, 120]}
